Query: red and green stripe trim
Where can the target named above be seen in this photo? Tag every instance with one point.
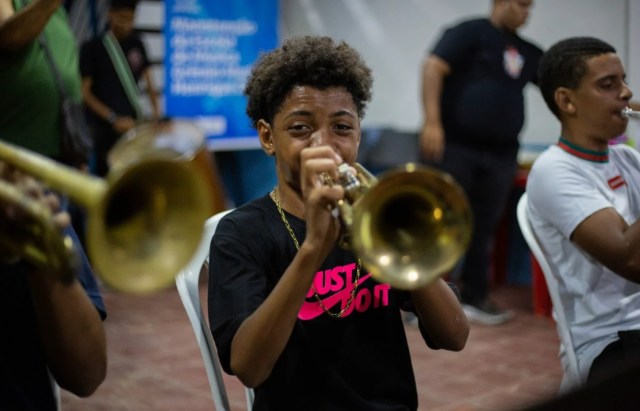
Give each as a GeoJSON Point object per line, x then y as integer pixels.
{"type": "Point", "coordinates": [583, 153]}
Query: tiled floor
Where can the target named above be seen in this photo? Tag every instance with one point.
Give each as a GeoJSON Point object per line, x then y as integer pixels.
{"type": "Point", "coordinates": [154, 362]}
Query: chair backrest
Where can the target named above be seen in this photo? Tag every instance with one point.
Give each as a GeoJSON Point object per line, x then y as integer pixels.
{"type": "Point", "coordinates": [56, 391]}
{"type": "Point", "coordinates": [571, 379]}
{"type": "Point", "coordinates": [187, 283]}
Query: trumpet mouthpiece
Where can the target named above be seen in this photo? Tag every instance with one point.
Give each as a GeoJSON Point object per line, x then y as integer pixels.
{"type": "Point", "coordinates": [629, 113]}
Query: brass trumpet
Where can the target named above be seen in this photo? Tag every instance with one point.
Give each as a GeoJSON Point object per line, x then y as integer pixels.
{"type": "Point", "coordinates": [144, 220]}
{"type": "Point", "coordinates": [409, 227]}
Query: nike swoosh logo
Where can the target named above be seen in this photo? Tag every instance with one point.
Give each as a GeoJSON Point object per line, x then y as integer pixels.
{"type": "Point", "coordinates": [313, 309]}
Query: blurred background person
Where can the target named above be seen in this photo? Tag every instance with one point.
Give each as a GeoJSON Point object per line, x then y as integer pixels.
{"type": "Point", "coordinates": [472, 85]}
{"type": "Point", "coordinates": [111, 66]}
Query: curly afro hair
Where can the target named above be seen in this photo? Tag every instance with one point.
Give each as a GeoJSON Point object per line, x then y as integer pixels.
{"type": "Point", "coordinates": [318, 62]}
{"type": "Point", "coordinates": [564, 65]}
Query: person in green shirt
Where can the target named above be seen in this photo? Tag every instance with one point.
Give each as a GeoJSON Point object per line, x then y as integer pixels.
{"type": "Point", "coordinates": [30, 103]}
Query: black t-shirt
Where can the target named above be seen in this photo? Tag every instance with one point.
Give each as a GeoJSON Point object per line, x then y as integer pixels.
{"type": "Point", "coordinates": [24, 379]}
{"type": "Point", "coordinates": [106, 86]}
{"type": "Point", "coordinates": [482, 100]}
{"type": "Point", "coordinates": [358, 362]}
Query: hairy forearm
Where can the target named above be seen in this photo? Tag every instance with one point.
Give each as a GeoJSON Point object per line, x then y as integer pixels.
{"type": "Point", "coordinates": [19, 29]}
{"type": "Point", "coordinates": [72, 333]}
{"type": "Point", "coordinates": [442, 315]}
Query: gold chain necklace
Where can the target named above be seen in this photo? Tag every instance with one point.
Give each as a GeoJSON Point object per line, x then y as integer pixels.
{"type": "Point", "coordinates": [276, 200]}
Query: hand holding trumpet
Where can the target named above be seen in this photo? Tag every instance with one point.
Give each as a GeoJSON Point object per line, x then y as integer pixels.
{"type": "Point", "coordinates": [33, 210]}
{"type": "Point", "coordinates": [408, 227]}
{"type": "Point", "coordinates": [29, 187]}
{"type": "Point", "coordinates": [319, 166]}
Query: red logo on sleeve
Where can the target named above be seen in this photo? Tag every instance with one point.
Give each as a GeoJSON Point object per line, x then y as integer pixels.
{"type": "Point", "coordinates": [616, 182]}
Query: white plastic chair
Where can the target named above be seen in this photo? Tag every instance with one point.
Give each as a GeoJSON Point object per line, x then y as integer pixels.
{"type": "Point", "coordinates": [571, 378]}
{"type": "Point", "coordinates": [56, 391]}
{"type": "Point", "coordinates": [187, 283]}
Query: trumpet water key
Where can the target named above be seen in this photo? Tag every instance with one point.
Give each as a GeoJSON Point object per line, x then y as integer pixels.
{"type": "Point", "coordinates": [409, 227]}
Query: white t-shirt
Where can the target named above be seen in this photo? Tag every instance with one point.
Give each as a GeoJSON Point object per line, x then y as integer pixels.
{"type": "Point", "coordinates": [563, 190]}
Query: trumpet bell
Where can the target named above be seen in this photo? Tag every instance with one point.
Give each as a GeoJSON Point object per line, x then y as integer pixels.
{"type": "Point", "coordinates": [174, 140]}
{"type": "Point", "coordinates": [411, 227]}
{"type": "Point", "coordinates": [145, 229]}
{"type": "Point", "coordinates": [152, 216]}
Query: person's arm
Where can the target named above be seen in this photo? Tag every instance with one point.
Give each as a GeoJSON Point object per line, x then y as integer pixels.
{"type": "Point", "coordinates": [147, 76]}
{"type": "Point", "coordinates": [434, 71]}
{"type": "Point", "coordinates": [17, 30]}
{"type": "Point", "coordinates": [153, 94]}
{"type": "Point", "coordinates": [119, 123]}
{"type": "Point", "coordinates": [605, 236]}
{"type": "Point", "coordinates": [441, 314]}
{"type": "Point", "coordinates": [561, 195]}
{"type": "Point", "coordinates": [94, 103]}
{"type": "Point", "coordinates": [72, 332]}
{"type": "Point", "coordinates": [262, 337]}
{"type": "Point", "coordinates": [69, 323]}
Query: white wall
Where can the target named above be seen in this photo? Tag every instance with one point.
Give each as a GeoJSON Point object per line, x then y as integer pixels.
{"type": "Point", "coordinates": [633, 46]}
{"type": "Point", "coordinates": [393, 37]}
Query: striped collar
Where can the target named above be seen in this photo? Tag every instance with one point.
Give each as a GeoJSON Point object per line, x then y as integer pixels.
{"type": "Point", "coordinates": [583, 153]}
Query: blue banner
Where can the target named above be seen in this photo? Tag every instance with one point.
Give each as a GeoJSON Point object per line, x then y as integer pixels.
{"type": "Point", "coordinates": [210, 47]}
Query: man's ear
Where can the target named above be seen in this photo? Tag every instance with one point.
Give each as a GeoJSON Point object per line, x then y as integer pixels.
{"type": "Point", "coordinates": [265, 135]}
{"type": "Point", "coordinates": [564, 100]}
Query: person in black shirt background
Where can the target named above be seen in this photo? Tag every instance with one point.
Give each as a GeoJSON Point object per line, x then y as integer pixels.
{"type": "Point", "coordinates": [111, 66]}
{"type": "Point", "coordinates": [472, 84]}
